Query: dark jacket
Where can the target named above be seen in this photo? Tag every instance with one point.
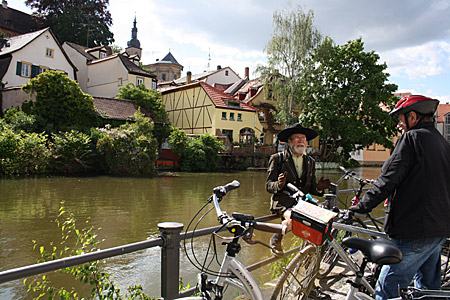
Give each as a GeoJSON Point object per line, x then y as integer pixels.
{"type": "Point", "coordinates": [416, 178]}
{"type": "Point", "coordinates": [281, 162]}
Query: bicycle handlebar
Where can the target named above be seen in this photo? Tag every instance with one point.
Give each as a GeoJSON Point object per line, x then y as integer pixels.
{"type": "Point", "coordinates": [224, 218]}
{"type": "Point", "coordinates": [352, 174]}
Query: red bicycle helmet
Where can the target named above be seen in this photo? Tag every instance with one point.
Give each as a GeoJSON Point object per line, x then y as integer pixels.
{"type": "Point", "coordinates": [421, 104]}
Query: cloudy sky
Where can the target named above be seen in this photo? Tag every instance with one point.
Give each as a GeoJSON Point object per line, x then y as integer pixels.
{"type": "Point", "coordinates": [411, 36]}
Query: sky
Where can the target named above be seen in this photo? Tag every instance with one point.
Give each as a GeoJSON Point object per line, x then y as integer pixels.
{"type": "Point", "coordinates": [411, 36]}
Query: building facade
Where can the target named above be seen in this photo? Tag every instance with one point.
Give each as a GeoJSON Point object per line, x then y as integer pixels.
{"type": "Point", "coordinates": [199, 108]}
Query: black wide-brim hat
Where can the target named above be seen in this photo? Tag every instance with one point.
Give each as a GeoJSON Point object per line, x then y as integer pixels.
{"type": "Point", "coordinates": [284, 134]}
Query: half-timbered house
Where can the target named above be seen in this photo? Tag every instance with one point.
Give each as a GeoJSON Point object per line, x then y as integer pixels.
{"type": "Point", "coordinates": [199, 108]}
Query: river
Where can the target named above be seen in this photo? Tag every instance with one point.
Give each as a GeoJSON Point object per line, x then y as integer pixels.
{"type": "Point", "coordinates": [127, 210]}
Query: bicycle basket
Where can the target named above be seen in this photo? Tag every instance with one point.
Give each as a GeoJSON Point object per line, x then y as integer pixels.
{"type": "Point", "coordinates": [311, 222]}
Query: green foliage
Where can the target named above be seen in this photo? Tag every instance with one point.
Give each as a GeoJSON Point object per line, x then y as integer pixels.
{"type": "Point", "coordinates": [19, 120]}
{"type": "Point", "coordinates": [294, 37]}
{"type": "Point", "coordinates": [60, 102]}
{"type": "Point", "coordinates": [200, 154]}
{"type": "Point", "coordinates": [23, 153]}
{"type": "Point", "coordinates": [71, 152]}
{"type": "Point", "coordinates": [75, 241]}
{"type": "Point", "coordinates": [151, 101]}
{"type": "Point", "coordinates": [129, 149]}
{"type": "Point", "coordinates": [84, 22]}
{"type": "Point", "coordinates": [343, 95]}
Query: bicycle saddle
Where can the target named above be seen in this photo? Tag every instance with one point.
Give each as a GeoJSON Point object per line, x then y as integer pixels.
{"type": "Point", "coordinates": [380, 251]}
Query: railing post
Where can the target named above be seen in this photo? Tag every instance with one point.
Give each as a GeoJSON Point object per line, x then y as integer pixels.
{"type": "Point", "coordinates": [170, 259]}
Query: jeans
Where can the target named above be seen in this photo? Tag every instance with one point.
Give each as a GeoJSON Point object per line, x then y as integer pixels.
{"type": "Point", "coordinates": [421, 262]}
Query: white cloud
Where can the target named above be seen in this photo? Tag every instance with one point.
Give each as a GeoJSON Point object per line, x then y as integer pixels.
{"type": "Point", "coordinates": [418, 62]}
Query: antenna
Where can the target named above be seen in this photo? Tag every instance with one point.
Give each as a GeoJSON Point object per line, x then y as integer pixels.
{"type": "Point", "coordinates": [209, 58]}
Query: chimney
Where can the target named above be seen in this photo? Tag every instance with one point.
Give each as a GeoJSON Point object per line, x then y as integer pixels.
{"type": "Point", "coordinates": [218, 67]}
{"type": "Point", "coordinates": [188, 77]}
{"type": "Point", "coordinates": [5, 4]}
{"type": "Point", "coordinates": [247, 73]}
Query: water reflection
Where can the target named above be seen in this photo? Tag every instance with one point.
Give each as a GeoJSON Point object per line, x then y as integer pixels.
{"type": "Point", "coordinates": [127, 210]}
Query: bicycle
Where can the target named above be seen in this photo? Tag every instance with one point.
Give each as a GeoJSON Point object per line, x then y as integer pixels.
{"type": "Point", "coordinates": [232, 273]}
{"type": "Point", "coordinates": [290, 279]}
{"type": "Point", "coordinates": [329, 256]}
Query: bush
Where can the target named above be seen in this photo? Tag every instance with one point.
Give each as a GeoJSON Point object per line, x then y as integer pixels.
{"type": "Point", "coordinates": [23, 153]}
{"type": "Point", "coordinates": [200, 154]}
{"type": "Point", "coordinates": [129, 149]}
{"type": "Point", "coordinates": [19, 120]}
{"type": "Point", "coordinates": [71, 152]}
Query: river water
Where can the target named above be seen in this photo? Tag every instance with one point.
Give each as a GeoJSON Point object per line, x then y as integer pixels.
{"type": "Point", "coordinates": [127, 210]}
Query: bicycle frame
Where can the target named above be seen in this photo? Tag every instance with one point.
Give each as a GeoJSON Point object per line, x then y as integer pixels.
{"type": "Point", "coordinates": [247, 283]}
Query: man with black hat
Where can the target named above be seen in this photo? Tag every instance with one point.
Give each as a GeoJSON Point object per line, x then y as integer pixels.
{"type": "Point", "coordinates": [293, 166]}
{"type": "Point", "coordinates": [416, 181]}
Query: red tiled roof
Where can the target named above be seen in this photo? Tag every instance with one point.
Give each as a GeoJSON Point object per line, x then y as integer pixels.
{"type": "Point", "coordinates": [442, 110]}
{"type": "Point", "coordinates": [219, 98]}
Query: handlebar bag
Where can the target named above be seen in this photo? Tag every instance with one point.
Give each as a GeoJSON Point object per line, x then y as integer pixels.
{"type": "Point", "coordinates": [311, 222]}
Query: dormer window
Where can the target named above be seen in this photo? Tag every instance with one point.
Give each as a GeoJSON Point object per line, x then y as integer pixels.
{"type": "Point", "coordinates": [102, 55]}
{"type": "Point", "coordinates": [232, 103]}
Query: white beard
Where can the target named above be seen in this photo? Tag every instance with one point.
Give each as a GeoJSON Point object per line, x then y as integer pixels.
{"type": "Point", "coordinates": [299, 149]}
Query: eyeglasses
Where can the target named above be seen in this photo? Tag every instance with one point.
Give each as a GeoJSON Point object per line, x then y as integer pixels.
{"type": "Point", "coordinates": [299, 138]}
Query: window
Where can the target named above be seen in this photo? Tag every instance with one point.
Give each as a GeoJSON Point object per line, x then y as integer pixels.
{"type": "Point", "coordinates": [102, 55]}
{"type": "Point", "coordinates": [42, 69]}
{"type": "Point", "coordinates": [163, 77]}
{"type": "Point", "coordinates": [153, 85]}
{"type": "Point", "coordinates": [119, 82]}
{"type": "Point", "coordinates": [49, 52]}
{"type": "Point", "coordinates": [270, 94]}
{"type": "Point", "coordinates": [139, 81]}
{"type": "Point", "coordinates": [226, 73]}
{"type": "Point", "coordinates": [174, 77]}
{"type": "Point", "coordinates": [261, 116]}
{"type": "Point", "coordinates": [228, 133]}
{"type": "Point", "coordinates": [231, 116]}
{"type": "Point", "coordinates": [224, 116]}
{"type": "Point", "coordinates": [239, 117]}
{"type": "Point", "coordinates": [25, 70]}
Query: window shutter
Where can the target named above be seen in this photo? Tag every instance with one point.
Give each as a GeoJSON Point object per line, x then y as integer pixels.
{"type": "Point", "coordinates": [19, 68]}
{"type": "Point", "coordinates": [34, 71]}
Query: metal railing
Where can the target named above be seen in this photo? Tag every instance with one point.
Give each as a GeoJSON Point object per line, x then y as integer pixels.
{"type": "Point", "coordinates": [169, 241]}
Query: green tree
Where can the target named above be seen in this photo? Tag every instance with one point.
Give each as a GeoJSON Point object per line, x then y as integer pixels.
{"type": "Point", "coordinates": [151, 101]}
{"type": "Point", "coordinates": [200, 154]}
{"type": "Point", "coordinates": [294, 37]}
{"type": "Point", "coordinates": [84, 22]}
{"type": "Point", "coordinates": [60, 102]}
{"type": "Point", "coordinates": [345, 94]}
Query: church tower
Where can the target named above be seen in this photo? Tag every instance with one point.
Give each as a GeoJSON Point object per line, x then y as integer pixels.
{"type": "Point", "coordinates": [134, 46]}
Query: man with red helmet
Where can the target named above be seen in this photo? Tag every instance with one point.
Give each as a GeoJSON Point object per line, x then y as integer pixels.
{"type": "Point", "coordinates": [416, 180]}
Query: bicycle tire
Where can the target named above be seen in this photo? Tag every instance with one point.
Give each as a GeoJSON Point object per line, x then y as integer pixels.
{"type": "Point", "coordinates": [329, 256]}
{"type": "Point", "coordinates": [297, 279]}
{"type": "Point", "coordinates": [445, 265]}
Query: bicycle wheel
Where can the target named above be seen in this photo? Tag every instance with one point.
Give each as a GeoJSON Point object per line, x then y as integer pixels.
{"type": "Point", "coordinates": [445, 265]}
{"type": "Point", "coordinates": [329, 256]}
{"type": "Point", "coordinates": [297, 279]}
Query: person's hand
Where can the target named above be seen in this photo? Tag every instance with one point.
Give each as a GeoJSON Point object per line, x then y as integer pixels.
{"type": "Point", "coordinates": [359, 209]}
{"type": "Point", "coordinates": [281, 180]}
{"type": "Point", "coordinates": [324, 183]}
